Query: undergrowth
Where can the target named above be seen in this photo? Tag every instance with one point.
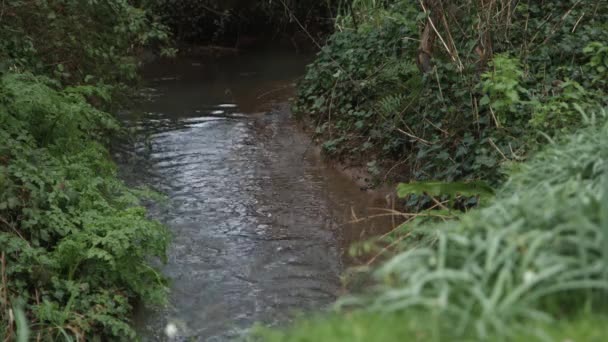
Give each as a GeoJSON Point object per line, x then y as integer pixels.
{"type": "Point", "coordinates": [74, 242]}
{"type": "Point", "coordinates": [536, 254]}
{"type": "Point", "coordinates": [498, 76]}
{"type": "Point", "coordinates": [76, 246]}
{"type": "Point", "coordinates": [452, 96]}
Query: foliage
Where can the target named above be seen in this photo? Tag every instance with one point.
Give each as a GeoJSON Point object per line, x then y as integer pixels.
{"type": "Point", "coordinates": [502, 88]}
{"type": "Point", "coordinates": [598, 63]}
{"type": "Point", "coordinates": [91, 42]}
{"type": "Point", "coordinates": [440, 188]}
{"type": "Point", "coordinates": [74, 241]}
{"type": "Point", "coordinates": [506, 80]}
{"type": "Point", "coordinates": [538, 250]}
{"type": "Point", "coordinates": [504, 271]}
{"type": "Point", "coordinates": [229, 22]}
{"type": "Point", "coordinates": [362, 326]}
{"type": "Point", "coordinates": [446, 195]}
{"type": "Point", "coordinates": [471, 114]}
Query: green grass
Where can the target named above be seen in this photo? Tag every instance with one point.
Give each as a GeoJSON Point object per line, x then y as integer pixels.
{"type": "Point", "coordinates": [358, 326]}
{"type": "Point", "coordinates": [362, 326]}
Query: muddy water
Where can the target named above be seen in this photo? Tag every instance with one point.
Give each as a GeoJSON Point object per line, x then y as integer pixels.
{"type": "Point", "coordinates": [258, 220]}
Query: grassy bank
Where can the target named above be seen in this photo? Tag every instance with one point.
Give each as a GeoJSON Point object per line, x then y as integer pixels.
{"type": "Point", "coordinates": [361, 326]}
{"type": "Point", "coordinates": [530, 264]}
{"type": "Point", "coordinates": [449, 98]}
{"type": "Point", "coordinates": [75, 244]}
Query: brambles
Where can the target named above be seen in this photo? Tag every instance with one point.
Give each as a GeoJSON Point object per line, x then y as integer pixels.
{"type": "Point", "coordinates": [76, 42]}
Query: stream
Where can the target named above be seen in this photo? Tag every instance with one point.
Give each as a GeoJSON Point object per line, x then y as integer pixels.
{"type": "Point", "coordinates": [259, 222]}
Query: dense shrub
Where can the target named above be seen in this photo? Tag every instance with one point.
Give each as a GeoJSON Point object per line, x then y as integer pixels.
{"type": "Point", "coordinates": [75, 244]}
{"type": "Point", "coordinates": [468, 115]}
{"type": "Point", "coordinates": [73, 240]}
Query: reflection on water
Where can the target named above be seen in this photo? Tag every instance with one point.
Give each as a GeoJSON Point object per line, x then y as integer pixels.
{"type": "Point", "coordinates": [256, 218]}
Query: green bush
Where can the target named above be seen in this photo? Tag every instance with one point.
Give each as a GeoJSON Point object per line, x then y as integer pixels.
{"type": "Point", "coordinates": [92, 42]}
{"type": "Point", "coordinates": [463, 120]}
{"type": "Point", "coordinates": [540, 249]}
{"type": "Point", "coordinates": [74, 241]}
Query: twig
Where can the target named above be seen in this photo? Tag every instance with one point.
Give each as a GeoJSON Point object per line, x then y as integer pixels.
{"type": "Point", "coordinates": [439, 85]}
{"type": "Point", "coordinates": [4, 289]}
{"type": "Point", "coordinates": [404, 222]}
{"type": "Point", "coordinates": [401, 238]}
{"type": "Point", "coordinates": [331, 104]}
{"type": "Point", "coordinates": [274, 91]}
{"type": "Point", "coordinates": [392, 212]}
{"type": "Point", "coordinates": [14, 229]}
{"type": "Point", "coordinates": [426, 142]}
{"type": "Point", "coordinates": [560, 22]}
{"type": "Point", "coordinates": [441, 204]}
{"type": "Point", "coordinates": [515, 156]}
{"type": "Point", "coordinates": [577, 22]}
{"type": "Point", "coordinates": [437, 127]}
{"type": "Point", "coordinates": [437, 32]}
{"type": "Point", "coordinates": [494, 117]}
{"type": "Point", "coordinates": [5, 305]}
{"type": "Point", "coordinates": [2, 10]}
{"type": "Point", "coordinates": [497, 149]}
{"type": "Point", "coordinates": [394, 166]}
{"type": "Point", "coordinates": [476, 108]}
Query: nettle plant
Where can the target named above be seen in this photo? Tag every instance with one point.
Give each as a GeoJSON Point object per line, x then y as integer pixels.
{"type": "Point", "coordinates": [502, 89]}
{"type": "Point", "coordinates": [75, 243]}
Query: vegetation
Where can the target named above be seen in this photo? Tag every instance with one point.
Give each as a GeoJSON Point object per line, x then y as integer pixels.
{"type": "Point", "coordinates": [235, 22]}
{"type": "Point", "coordinates": [537, 253]}
{"type": "Point", "coordinates": [453, 92]}
{"type": "Point", "coordinates": [75, 245]}
{"type": "Point", "coordinates": [452, 97]}
{"type": "Point", "coordinates": [497, 104]}
{"type": "Point", "coordinates": [362, 326]}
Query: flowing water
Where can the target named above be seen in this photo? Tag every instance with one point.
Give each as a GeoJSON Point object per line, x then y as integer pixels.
{"type": "Point", "coordinates": [258, 220]}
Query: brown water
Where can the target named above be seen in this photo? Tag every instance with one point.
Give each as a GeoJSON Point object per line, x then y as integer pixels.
{"type": "Point", "coordinates": [258, 220]}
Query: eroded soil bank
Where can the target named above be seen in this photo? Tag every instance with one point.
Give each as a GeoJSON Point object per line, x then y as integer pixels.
{"type": "Point", "coordinates": [260, 223]}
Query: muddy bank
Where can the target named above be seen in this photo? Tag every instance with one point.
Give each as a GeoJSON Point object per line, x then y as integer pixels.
{"type": "Point", "coordinates": [381, 187]}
